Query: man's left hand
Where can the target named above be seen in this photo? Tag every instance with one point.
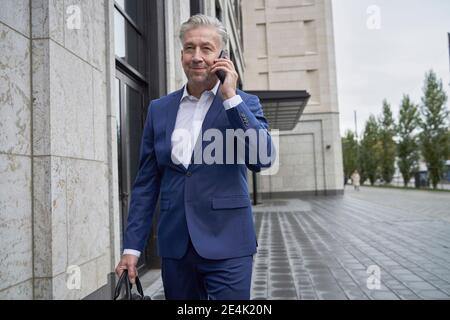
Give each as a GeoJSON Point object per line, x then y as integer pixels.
{"type": "Point", "coordinates": [228, 87]}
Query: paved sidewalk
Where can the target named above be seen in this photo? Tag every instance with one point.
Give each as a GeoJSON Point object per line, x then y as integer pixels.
{"type": "Point", "coordinates": [321, 247]}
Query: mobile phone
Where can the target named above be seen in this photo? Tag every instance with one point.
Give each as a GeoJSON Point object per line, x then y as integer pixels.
{"type": "Point", "coordinates": [219, 73]}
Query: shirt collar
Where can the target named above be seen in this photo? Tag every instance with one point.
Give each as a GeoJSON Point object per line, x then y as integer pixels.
{"type": "Point", "coordinates": [213, 90]}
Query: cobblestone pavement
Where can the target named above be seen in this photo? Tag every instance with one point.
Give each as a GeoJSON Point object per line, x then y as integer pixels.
{"type": "Point", "coordinates": [335, 247]}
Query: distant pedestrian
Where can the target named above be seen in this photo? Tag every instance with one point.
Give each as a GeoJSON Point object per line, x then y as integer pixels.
{"type": "Point", "coordinates": [355, 179]}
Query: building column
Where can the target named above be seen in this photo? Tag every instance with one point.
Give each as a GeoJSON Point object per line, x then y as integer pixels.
{"type": "Point", "coordinates": [16, 270]}
{"type": "Point", "coordinates": [177, 12]}
{"type": "Point", "coordinates": [70, 168]}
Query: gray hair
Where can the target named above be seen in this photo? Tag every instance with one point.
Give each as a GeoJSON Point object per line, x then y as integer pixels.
{"type": "Point", "coordinates": [201, 20]}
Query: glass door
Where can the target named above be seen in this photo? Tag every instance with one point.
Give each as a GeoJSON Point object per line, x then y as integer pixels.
{"type": "Point", "coordinates": [140, 77]}
{"type": "Point", "coordinates": [131, 111]}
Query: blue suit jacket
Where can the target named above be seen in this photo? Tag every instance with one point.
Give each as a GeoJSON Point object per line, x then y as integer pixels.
{"type": "Point", "coordinates": [209, 203]}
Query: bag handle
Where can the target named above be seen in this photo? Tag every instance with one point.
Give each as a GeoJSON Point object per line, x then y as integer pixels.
{"type": "Point", "coordinates": [123, 280]}
{"type": "Point", "coordinates": [138, 287]}
{"type": "Point", "coordinates": [128, 286]}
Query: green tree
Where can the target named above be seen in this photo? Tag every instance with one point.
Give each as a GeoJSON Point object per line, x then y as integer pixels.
{"type": "Point", "coordinates": [370, 151]}
{"type": "Point", "coordinates": [388, 147]}
{"type": "Point", "coordinates": [349, 153]}
{"type": "Point", "coordinates": [407, 147]}
{"type": "Point", "coordinates": [434, 136]}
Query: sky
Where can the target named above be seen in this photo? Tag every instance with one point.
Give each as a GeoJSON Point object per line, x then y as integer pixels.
{"type": "Point", "coordinates": [383, 50]}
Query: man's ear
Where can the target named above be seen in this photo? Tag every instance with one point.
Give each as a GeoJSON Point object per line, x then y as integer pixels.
{"type": "Point", "coordinates": [181, 56]}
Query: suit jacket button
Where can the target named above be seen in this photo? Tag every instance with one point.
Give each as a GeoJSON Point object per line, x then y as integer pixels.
{"type": "Point", "coordinates": [189, 173]}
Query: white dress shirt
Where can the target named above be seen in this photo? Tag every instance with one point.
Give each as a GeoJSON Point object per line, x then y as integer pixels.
{"type": "Point", "coordinates": [188, 125]}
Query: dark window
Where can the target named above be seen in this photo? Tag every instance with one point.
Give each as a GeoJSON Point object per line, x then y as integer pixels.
{"type": "Point", "coordinates": [197, 6]}
{"type": "Point", "coordinates": [129, 39]}
{"type": "Point", "coordinates": [130, 109]}
{"type": "Point", "coordinates": [134, 102]}
{"type": "Point", "coordinates": [140, 77]}
{"type": "Point", "coordinates": [218, 11]}
{"type": "Point", "coordinates": [131, 7]}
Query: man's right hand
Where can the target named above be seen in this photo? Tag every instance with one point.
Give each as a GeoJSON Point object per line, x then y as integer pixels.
{"type": "Point", "coordinates": [128, 262]}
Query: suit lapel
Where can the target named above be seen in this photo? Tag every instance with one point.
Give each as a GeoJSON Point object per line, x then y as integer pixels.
{"type": "Point", "coordinates": [211, 115]}
{"type": "Point", "coordinates": [171, 117]}
{"type": "Point", "coordinates": [213, 112]}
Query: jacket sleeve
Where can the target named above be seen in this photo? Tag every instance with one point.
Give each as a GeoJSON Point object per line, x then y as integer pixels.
{"type": "Point", "coordinates": [259, 149]}
{"type": "Point", "coordinates": [145, 191]}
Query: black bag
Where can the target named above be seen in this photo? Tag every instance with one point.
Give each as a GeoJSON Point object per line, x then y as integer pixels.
{"type": "Point", "coordinates": [124, 281]}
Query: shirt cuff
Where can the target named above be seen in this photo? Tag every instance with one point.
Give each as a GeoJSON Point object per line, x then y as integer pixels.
{"type": "Point", "coordinates": [133, 252]}
{"type": "Point", "coordinates": [232, 102]}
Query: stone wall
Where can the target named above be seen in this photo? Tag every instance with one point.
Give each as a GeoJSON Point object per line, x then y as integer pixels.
{"type": "Point", "coordinates": [55, 160]}
{"type": "Point", "coordinates": [16, 267]}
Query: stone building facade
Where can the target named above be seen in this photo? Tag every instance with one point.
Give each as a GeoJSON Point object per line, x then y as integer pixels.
{"type": "Point", "coordinates": [289, 45]}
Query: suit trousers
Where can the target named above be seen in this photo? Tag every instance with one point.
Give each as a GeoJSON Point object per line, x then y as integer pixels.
{"type": "Point", "coordinates": [195, 278]}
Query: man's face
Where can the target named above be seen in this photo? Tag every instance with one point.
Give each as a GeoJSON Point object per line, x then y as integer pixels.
{"type": "Point", "coordinates": [200, 47]}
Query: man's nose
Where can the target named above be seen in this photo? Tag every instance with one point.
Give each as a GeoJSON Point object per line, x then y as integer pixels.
{"type": "Point", "coordinates": [197, 56]}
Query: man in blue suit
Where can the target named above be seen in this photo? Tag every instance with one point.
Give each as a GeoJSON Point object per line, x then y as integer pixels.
{"type": "Point", "coordinates": [206, 234]}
